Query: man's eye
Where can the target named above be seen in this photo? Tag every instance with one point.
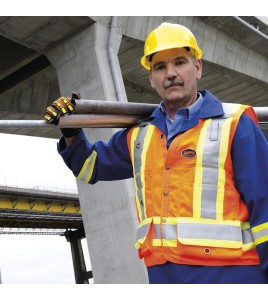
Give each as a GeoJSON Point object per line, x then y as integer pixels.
{"type": "Point", "coordinates": [179, 63]}
{"type": "Point", "coordinates": [159, 67]}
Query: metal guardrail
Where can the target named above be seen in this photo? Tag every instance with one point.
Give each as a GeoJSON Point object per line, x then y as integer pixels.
{"type": "Point", "coordinates": [8, 183]}
{"type": "Point", "coordinates": [32, 231]}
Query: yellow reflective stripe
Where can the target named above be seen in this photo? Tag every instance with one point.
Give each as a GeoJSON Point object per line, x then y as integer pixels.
{"type": "Point", "coordinates": [169, 243]}
{"type": "Point", "coordinates": [260, 227]}
{"type": "Point", "coordinates": [157, 242]}
{"type": "Point", "coordinates": [165, 243]}
{"type": "Point", "coordinates": [147, 140]}
{"type": "Point", "coordinates": [260, 233]}
{"type": "Point", "coordinates": [133, 138]}
{"type": "Point", "coordinates": [139, 242]}
{"type": "Point", "coordinates": [261, 240]}
{"type": "Point", "coordinates": [221, 161]}
{"type": "Point", "coordinates": [88, 167]}
{"type": "Point", "coordinates": [157, 220]}
{"type": "Point", "coordinates": [211, 242]}
{"type": "Point", "coordinates": [248, 246]}
{"type": "Point", "coordinates": [173, 243]}
{"type": "Point", "coordinates": [140, 136]}
{"type": "Point", "coordinates": [199, 171]}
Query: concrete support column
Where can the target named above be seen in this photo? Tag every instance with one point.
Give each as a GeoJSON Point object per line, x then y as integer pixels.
{"type": "Point", "coordinates": [109, 213]}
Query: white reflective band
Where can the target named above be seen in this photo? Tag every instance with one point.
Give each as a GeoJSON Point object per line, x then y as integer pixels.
{"type": "Point", "coordinates": [198, 231]}
{"type": "Point", "coordinates": [209, 231]}
{"type": "Point", "coordinates": [260, 233]}
{"type": "Point", "coordinates": [210, 174]}
{"type": "Point", "coordinates": [142, 231]}
{"type": "Point", "coordinates": [139, 148]}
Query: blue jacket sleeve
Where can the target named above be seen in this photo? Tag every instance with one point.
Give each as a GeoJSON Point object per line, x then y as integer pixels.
{"type": "Point", "coordinates": [250, 162]}
{"type": "Point", "coordinates": [112, 161]}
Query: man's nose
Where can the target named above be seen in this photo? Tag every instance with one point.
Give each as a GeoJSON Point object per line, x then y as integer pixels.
{"type": "Point", "coordinates": [171, 71]}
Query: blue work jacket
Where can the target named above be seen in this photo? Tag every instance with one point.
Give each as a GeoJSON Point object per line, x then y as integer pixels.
{"type": "Point", "coordinates": [249, 157]}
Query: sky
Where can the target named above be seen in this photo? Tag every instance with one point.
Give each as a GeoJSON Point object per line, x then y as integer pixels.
{"type": "Point", "coordinates": [139, 7]}
{"type": "Point", "coordinates": [35, 259]}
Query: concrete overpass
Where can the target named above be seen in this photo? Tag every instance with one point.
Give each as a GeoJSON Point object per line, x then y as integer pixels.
{"type": "Point", "coordinates": [33, 204]}
{"type": "Point", "coordinates": [45, 57]}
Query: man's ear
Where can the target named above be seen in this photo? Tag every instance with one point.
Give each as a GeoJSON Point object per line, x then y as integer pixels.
{"type": "Point", "coordinates": [199, 68]}
{"type": "Point", "coordinates": [151, 81]}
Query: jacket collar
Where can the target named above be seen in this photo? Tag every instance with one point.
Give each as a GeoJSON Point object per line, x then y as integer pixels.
{"type": "Point", "coordinates": [211, 107]}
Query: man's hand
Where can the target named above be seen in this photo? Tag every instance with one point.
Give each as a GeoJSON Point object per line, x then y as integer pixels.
{"type": "Point", "coordinates": [61, 107]}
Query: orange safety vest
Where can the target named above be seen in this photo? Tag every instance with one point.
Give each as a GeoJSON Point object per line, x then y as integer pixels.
{"type": "Point", "coordinates": [189, 209]}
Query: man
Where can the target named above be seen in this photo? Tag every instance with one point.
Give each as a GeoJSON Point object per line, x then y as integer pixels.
{"type": "Point", "coordinates": [200, 169]}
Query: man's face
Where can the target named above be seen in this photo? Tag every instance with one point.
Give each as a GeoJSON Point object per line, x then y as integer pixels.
{"type": "Point", "coordinates": [174, 74]}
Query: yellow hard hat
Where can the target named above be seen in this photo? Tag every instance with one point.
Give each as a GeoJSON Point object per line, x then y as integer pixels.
{"type": "Point", "coordinates": [168, 36]}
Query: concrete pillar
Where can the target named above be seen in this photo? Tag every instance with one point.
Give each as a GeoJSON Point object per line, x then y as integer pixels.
{"type": "Point", "coordinates": [109, 214]}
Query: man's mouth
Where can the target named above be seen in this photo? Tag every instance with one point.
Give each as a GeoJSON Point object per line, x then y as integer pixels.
{"type": "Point", "coordinates": [169, 83]}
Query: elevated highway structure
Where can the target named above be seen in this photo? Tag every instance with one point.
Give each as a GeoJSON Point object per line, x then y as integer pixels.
{"type": "Point", "coordinates": [38, 206]}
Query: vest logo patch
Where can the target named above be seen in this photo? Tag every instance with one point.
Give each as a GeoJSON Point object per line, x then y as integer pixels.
{"type": "Point", "coordinates": [188, 153]}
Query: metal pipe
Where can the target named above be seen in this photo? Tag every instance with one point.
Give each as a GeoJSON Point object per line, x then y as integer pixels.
{"type": "Point", "coordinates": [76, 121]}
{"type": "Point", "coordinates": [143, 110]}
{"type": "Point", "coordinates": [262, 113]}
{"type": "Point", "coordinates": [107, 114]}
{"type": "Point", "coordinates": [85, 121]}
{"type": "Point", "coordinates": [133, 108]}
{"type": "Point", "coordinates": [113, 107]}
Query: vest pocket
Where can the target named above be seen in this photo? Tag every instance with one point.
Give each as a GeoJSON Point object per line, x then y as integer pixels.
{"type": "Point", "coordinates": [208, 252]}
{"type": "Point", "coordinates": [209, 238]}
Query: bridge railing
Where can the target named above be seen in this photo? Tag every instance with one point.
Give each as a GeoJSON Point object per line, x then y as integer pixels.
{"type": "Point", "coordinates": [32, 185]}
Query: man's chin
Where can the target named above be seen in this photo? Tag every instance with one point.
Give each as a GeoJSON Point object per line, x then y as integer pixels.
{"type": "Point", "coordinates": [176, 97]}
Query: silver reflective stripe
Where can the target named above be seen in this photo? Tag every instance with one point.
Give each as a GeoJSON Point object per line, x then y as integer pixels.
{"type": "Point", "coordinates": [138, 149]}
{"type": "Point", "coordinates": [209, 231]}
{"type": "Point", "coordinates": [157, 231]}
{"type": "Point", "coordinates": [260, 233]}
{"type": "Point", "coordinates": [230, 109]}
{"type": "Point", "coordinates": [247, 236]}
{"type": "Point", "coordinates": [142, 231]}
{"type": "Point", "coordinates": [198, 231]}
{"type": "Point", "coordinates": [169, 232]}
{"type": "Point", "coordinates": [211, 162]}
{"type": "Point", "coordinates": [210, 169]}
